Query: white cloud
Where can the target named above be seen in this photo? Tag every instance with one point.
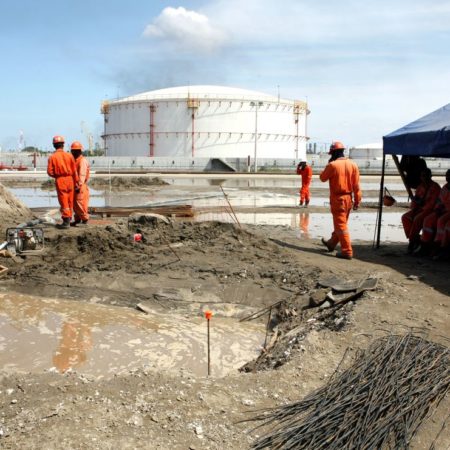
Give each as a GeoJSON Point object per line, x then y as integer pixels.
{"type": "Point", "coordinates": [186, 30]}
{"type": "Point", "coordinates": [366, 67]}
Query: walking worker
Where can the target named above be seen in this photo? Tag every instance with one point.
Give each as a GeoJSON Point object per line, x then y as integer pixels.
{"type": "Point", "coordinates": [81, 198]}
{"type": "Point", "coordinates": [422, 204]}
{"type": "Point", "coordinates": [61, 166]}
{"type": "Point", "coordinates": [306, 173]}
{"type": "Point", "coordinates": [343, 176]}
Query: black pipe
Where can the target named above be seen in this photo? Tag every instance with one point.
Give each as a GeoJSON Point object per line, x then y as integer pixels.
{"type": "Point", "coordinates": [380, 202]}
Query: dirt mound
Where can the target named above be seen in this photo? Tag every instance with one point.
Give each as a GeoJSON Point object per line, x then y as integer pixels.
{"type": "Point", "coordinates": [12, 210]}
{"type": "Point", "coordinates": [113, 247]}
{"type": "Point", "coordinates": [175, 265]}
{"type": "Point", "coordinates": [116, 183]}
{"type": "Point", "coordinates": [125, 182]}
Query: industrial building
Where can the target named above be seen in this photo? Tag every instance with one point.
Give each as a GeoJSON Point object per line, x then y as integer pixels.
{"type": "Point", "coordinates": [205, 122]}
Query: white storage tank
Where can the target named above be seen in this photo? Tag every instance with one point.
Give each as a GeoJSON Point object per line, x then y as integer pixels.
{"type": "Point", "coordinates": [367, 151]}
{"type": "Point", "coordinates": [205, 121]}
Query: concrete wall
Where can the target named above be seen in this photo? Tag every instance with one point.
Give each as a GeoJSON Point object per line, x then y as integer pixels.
{"type": "Point", "coordinates": [141, 163]}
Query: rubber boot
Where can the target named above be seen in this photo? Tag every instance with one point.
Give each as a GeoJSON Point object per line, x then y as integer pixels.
{"type": "Point", "coordinates": [75, 223]}
{"type": "Point", "coordinates": [341, 255]}
{"type": "Point", "coordinates": [413, 244]}
{"type": "Point", "coordinates": [423, 249]}
{"type": "Point", "coordinates": [65, 224]}
{"type": "Point", "coordinates": [306, 203]}
{"type": "Point", "coordinates": [327, 244]}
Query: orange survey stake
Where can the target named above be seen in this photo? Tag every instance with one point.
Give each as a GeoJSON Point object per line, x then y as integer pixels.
{"type": "Point", "coordinates": [208, 314]}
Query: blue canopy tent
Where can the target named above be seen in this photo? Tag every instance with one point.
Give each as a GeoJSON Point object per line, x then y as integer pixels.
{"type": "Point", "coordinates": [428, 136]}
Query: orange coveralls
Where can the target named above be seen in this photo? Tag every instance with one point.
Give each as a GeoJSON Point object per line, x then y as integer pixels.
{"type": "Point", "coordinates": [343, 176]}
{"type": "Point", "coordinates": [306, 175]}
{"type": "Point", "coordinates": [422, 204]}
{"type": "Point", "coordinates": [81, 200]}
{"type": "Point", "coordinates": [435, 222]}
{"type": "Point", "coordinates": [61, 167]}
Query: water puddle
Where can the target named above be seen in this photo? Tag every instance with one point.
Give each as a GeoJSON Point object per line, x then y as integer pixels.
{"type": "Point", "coordinates": [42, 198]}
{"type": "Point", "coordinates": [38, 198]}
{"type": "Point", "coordinates": [204, 193]}
{"type": "Point", "coordinates": [38, 334]}
{"type": "Point", "coordinates": [275, 181]}
{"type": "Point", "coordinates": [316, 225]}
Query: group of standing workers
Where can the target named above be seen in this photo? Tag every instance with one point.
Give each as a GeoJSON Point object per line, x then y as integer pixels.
{"type": "Point", "coordinates": [429, 214]}
{"type": "Point", "coordinates": [345, 195]}
{"type": "Point", "coordinates": [71, 173]}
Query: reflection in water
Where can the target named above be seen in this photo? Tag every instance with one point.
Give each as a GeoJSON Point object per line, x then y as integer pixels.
{"type": "Point", "coordinates": [39, 198]}
{"type": "Point", "coordinates": [75, 342]}
{"type": "Point", "coordinates": [304, 224]}
{"type": "Point", "coordinates": [216, 181]}
{"type": "Point", "coordinates": [361, 225]}
{"type": "Point", "coordinates": [37, 334]}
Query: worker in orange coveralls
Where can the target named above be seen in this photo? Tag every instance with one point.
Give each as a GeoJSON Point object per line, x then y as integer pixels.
{"type": "Point", "coordinates": [81, 199]}
{"type": "Point", "coordinates": [434, 224]}
{"type": "Point", "coordinates": [343, 176]}
{"type": "Point", "coordinates": [422, 204]}
{"type": "Point", "coordinates": [306, 173]}
{"type": "Point", "coordinates": [61, 166]}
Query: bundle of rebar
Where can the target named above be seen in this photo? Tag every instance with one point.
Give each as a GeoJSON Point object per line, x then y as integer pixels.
{"type": "Point", "coordinates": [379, 402]}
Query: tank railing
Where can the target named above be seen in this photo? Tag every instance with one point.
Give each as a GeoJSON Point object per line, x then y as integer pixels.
{"type": "Point", "coordinates": [202, 97]}
{"type": "Point", "coordinates": [224, 132]}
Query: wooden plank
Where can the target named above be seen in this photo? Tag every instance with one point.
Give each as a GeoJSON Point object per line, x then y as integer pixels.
{"type": "Point", "coordinates": [178, 211]}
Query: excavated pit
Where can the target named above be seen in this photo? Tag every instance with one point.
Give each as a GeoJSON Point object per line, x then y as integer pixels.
{"type": "Point", "coordinates": [181, 268]}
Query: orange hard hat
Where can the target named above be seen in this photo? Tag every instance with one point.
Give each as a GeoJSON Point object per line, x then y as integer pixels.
{"type": "Point", "coordinates": [76, 145]}
{"type": "Point", "coordinates": [336, 146]}
{"type": "Point", "coordinates": [58, 140]}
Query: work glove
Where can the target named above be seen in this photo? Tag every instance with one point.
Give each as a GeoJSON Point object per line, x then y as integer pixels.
{"type": "Point", "coordinates": [77, 190]}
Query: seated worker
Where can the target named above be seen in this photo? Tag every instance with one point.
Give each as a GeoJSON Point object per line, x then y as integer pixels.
{"type": "Point", "coordinates": [422, 204]}
{"type": "Point", "coordinates": [412, 167]}
{"type": "Point", "coordinates": [434, 224]}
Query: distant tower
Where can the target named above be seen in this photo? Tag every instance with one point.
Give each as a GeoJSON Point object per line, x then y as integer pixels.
{"type": "Point", "coordinates": [21, 143]}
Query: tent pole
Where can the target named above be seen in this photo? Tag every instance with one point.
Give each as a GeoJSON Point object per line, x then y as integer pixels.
{"type": "Point", "coordinates": [380, 201]}
{"type": "Point", "coordinates": [400, 171]}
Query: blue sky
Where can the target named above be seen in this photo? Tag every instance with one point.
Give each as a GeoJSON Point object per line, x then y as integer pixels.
{"type": "Point", "coordinates": [365, 68]}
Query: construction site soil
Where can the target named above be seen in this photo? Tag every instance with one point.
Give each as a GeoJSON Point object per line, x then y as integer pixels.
{"type": "Point", "coordinates": [113, 182]}
{"type": "Point", "coordinates": [186, 268]}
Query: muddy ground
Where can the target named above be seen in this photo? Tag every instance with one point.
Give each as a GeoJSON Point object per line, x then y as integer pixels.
{"type": "Point", "coordinates": [189, 267]}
